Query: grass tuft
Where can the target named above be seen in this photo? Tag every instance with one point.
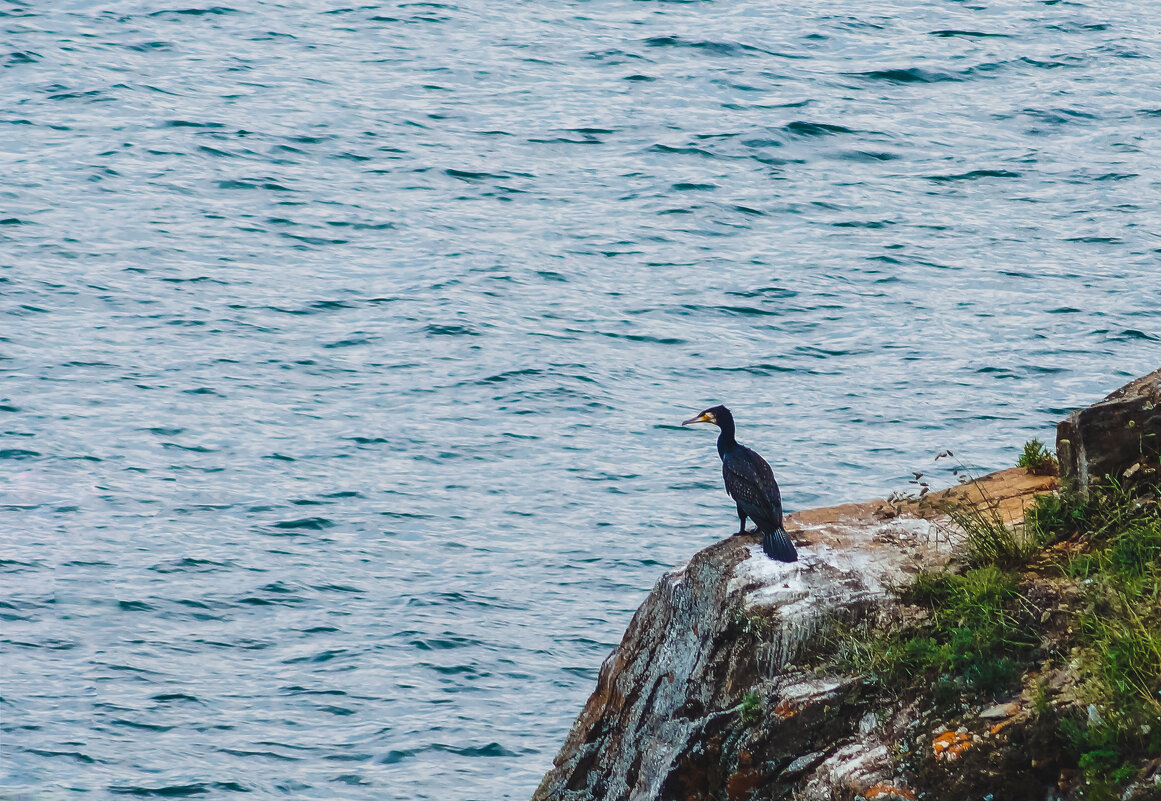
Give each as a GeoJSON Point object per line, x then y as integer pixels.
{"type": "Point", "coordinates": [750, 709]}
{"type": "Point", "coordinates": [1037, 459]}
{"type": "Point", "coordinates": [986, 538]}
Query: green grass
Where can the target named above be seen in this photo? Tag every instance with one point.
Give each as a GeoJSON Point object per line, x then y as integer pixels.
{"type": "Point", "coordinates": [1118, 630]}
{"type": "Point", "coordinates": [751, 708]}
{"type": "Point", "coordinates": [976, 636]}
{"type": "Point", "coordinates": [1116, 564]}
{"type": "Point", "coordinates": [1037, 459]}
{"type": "Point", "coordinates": [973, 638]}
{"type": "Point", "coordinates": [1120, 572]}
{"type": "Point", "coordinates": [987, 540]}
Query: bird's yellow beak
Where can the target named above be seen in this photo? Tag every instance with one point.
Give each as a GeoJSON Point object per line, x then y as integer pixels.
{"type": "Point", "coordinates": [701, 418]}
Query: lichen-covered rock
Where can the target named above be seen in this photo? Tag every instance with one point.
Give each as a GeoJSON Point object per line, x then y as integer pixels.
{"type": "Point", "coordinates": [1119, 435]}
{"type": "Point", "coordinates": [703, 699]}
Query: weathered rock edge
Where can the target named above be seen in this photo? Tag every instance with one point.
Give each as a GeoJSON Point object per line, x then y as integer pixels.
{"type": "Point", "coordinates": [1111, 437]}
{"type": "Point", "coordinates": [675, 713]}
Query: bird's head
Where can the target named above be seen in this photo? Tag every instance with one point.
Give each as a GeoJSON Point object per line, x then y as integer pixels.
{"type": "Point", "coordinates": [718, 416]}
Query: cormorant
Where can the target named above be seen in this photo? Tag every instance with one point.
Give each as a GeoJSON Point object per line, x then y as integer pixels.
{"type": "Point", "coordinates": [750, 482]}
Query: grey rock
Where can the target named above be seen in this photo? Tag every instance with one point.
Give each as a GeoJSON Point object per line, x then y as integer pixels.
{"type": "Point", "coordinates": [669, 715]}
{"type": "Point", "coordinates": [1111, 436]}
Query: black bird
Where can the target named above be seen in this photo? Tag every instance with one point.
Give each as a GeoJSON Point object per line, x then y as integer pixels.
{"type": "Point", "coordinates": [750, 482]}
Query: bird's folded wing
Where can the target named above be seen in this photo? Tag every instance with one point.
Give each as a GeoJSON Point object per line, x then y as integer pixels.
{"type": "Point", "coordinates": [753, 487]}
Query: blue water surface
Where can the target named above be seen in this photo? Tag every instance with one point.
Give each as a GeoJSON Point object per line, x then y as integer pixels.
{"type": "Point", "coordinates": [343, 347]}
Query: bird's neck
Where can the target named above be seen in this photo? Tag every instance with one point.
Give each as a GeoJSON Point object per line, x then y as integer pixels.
{"type": "Point", "coordinates": [726, 438]}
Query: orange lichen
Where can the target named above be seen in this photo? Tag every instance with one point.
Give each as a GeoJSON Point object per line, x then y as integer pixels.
{"type": "Point", "coordinates": [999, 727]}
{"type": "Point", "coordinates": [950, 745]}
{"type": "Point", "coordinates": [785, 710]}
{"type": "Point", "coordinates": [887, 792]}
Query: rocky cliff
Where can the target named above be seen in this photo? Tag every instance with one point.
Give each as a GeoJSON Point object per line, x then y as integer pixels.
{"type": "Point", "coordinates": [714, 691]}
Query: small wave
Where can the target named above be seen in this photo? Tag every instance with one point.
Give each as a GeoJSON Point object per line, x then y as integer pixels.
{"type": "Point", "coordinates": [149, 47]}
{"type": "Point", "coordinates": [134, 606]}
{"type": "Point", "coordinates": [734, 311]}
{"type": "Point", "coordinates": [765, 291]}
{"type": "Point", "coordinates": [683, 151]}
{"type": "Point", "coordinates": [757, 369]}
{"type": "Point", "coordinates": [350, 342]}
{"type": "Point", "coordinates": [340, 711]}
{"type": "Point", "coordinates": [77, 755]}
{"type": "Point", "coordinates": [195, 12]}
{"type": "Point", "coordinates": [255, 183]}
{"type": "Point", "coordinates": [296, 689]}
{"type": "Point", "coordinates": [803, 128]}
{"type": "Point", "coordinates": [443, 643]}
{"type": "Point", "coordinates": [177, 790]}
{"type": "Point", "coordinates": [338, 588]}
{"type": "Point", "coordinates": [254, 600]}
{"type": "Point", "coordinates": [134, 724]}
{"type": "Point", "coordinates": [908, 75]}
{"type": "Point", "coordinates": [469, 175]}
{"type": "Point", "coordinates": [244, 752]}
{"type": "Point", "coordinates": [1133, 333]}
{"type": "Point", "coordinates": [867, 156]}
{"type": "Point", "coordinates": [18, 453]}
{"type": "Point", "coordinates": [706, 46]}
{"type": "Point", "coordinates": [311, 240]}
{"type": "Point", "coordinates": [362, 226]}
{"type": "Point", "coordinates": [1065, 61]}
{"type": "Point", "coordinates": [352, 779]}
{"type": "Point", "coordinates": [7, 563]}
{"type": "Point", "coordinates": [245, 643]}
{"type": "Point", "coordinates": [50, 644]}
{"type": "Point", "coordinates": [508, 375]}
{"type": "Point", "coordinates": [308, 523]}
{"type": "Point", "coordinates": [971, 34]}
{"type": "Point", "coordinates": [490, 750]}
{"type": "Point", "coordinates": [434, 330]}
{"type": "Point", "coordinates": [974, 175]}
{"type": "Point", "coordinates": [191, 124]}
{"type": "Point", "coordinates": [873, 224]}
{"type": "Point", "coordinates": [644, 338]}
{"type": "Point", "coordinates": [321, 656]}
{"type": "Point", "coordinates": [190, 448]}
{"type": "Point", "coordinates": [1096, 240]}
{"type": "Point", "coordinates": [1020, 371]}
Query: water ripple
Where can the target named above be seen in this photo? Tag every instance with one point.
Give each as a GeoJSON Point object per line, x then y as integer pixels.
{"type": "Point", "coordinates": [348, 348]}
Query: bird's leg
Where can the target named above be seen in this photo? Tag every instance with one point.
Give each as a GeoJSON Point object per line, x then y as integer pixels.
{"type": "Point", "coordinates": [742, 518]}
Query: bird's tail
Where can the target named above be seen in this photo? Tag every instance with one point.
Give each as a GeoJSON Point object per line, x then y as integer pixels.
{"type": "Point", "coordinates": [778, 545]}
